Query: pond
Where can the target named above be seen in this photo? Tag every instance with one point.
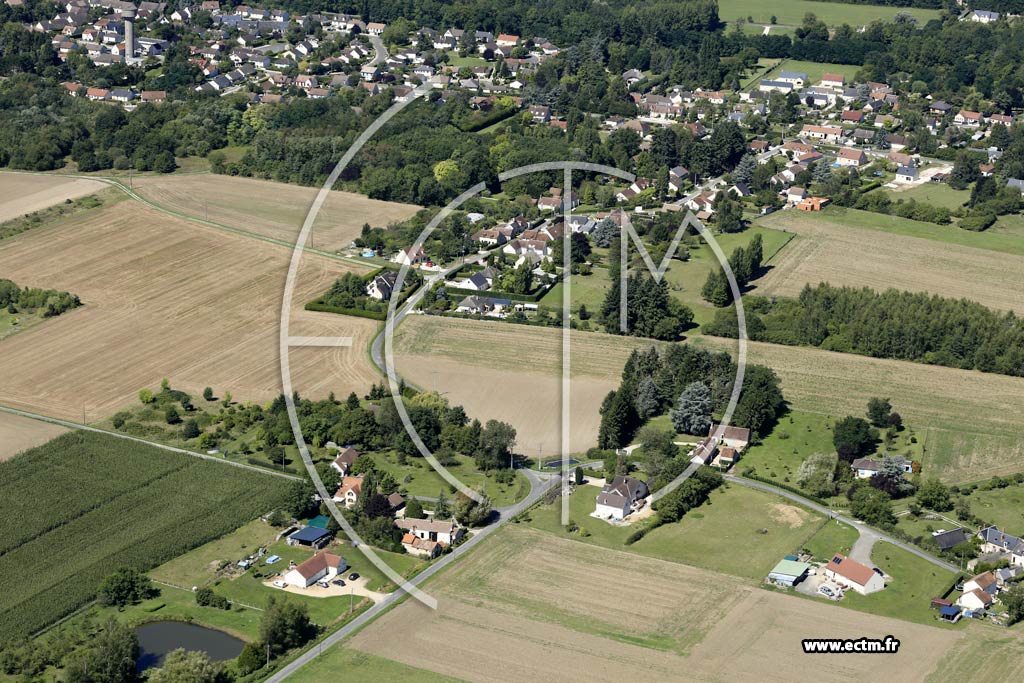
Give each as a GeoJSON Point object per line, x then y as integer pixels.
{"type": "Point", "coordinates": [159, 638]}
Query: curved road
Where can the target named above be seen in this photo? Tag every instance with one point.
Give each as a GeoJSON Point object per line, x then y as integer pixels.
{"type": "Point", "coordinates": [864, 529]}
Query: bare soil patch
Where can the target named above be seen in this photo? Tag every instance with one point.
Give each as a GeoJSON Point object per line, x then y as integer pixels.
{"type": "Point", "coordinates": [790, 515]}
{"type": "Point", "coordinates": [22, 194]}
{"type": "Point", "coordinates": [830, 251]}
{"type": "Point", "coordinates": [166, 298]}
{"type": "Point", "coordinates": [271, 209]}
{"type": "Point", "coordinates": [21, 433]}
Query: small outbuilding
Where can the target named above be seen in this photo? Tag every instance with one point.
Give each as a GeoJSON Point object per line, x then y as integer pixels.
{"type": "Point", "coordinates": [789, 572]}
{"type": "Point", "coordinates": [311, 537]}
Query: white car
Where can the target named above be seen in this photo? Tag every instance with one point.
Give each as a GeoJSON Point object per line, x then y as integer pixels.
{"type": "Point", "coordinates": [279, 584]}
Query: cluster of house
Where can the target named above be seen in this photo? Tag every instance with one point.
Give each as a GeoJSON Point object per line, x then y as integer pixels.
{"type": "Point", "coordinates": [721, 449]}
{"type": "Point", "coordinates": [254, 41]}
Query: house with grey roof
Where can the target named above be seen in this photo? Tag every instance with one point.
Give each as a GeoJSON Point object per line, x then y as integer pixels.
{"type": "Point", "coordinates": [620, 497]}
{"type": "Point", "coordinates": [995, 540]}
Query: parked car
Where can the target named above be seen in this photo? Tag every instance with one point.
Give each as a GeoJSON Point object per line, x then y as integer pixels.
{"type": "Point", "coordinates": [825, 590]}
{"type": "Point", "coordinates": [323, 584]}
{"type": "Point", "coordinates": [338, 582]}
{"type": "Point", "coordinates": [279, 584]}
{"type": "Point", "coordinates": [353, 576]}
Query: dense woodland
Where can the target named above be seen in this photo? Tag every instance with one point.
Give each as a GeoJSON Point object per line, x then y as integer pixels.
{"type": "Point", "coordinates": [653, 382]}
{"type": "Point", "coordinates": [892, 324]}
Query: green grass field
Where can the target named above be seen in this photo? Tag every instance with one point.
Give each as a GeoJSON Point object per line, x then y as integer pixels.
{"type": "Point", "coordinates": [908, 596]}
{"type": "Point", "coordinates": [423, 480]}
{"type": "Point", "coordinates": [814, 70]}
{"type": "Point", "coordinates": [832, 537]}
{"type": "Point", "coordinates": [1002, 507]}
{"type": "Point", "coordinates": [707, 537]}
{"type": "Point", "coordinates": [588, 290]}
{"type": "Point", "coordinates": [1008, 240]}
{"type": "Point", "coordinates": [123, 505]}
{"type": "Point", "coordinates": [792, 12]}
{"type": "Point", "coordinates": [343, 665]}
{"type": "Point", "coordinates": [686, 278]}
{"type": "Point", "coordinates": [800, 434]}
{"type": "Point", "coordinates": [936, 194]}
{"type": "Point", "coordinates": [199, 566]}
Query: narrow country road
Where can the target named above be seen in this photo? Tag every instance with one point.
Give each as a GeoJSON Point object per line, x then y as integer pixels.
{"type": "Point", "coordinates": [859, 526]}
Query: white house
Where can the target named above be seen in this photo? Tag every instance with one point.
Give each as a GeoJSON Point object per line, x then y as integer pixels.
{"type": "Point", "coordinates": [620, 497]}
{"type": "Point", "coordinates": [382, 286]}
{"type": "Point", "coordinates": [409, 256]}
{"type": "Point", "coordinates": [323, 566]}
{"type": "Point", "coordinates": [984, 17]}
{"type": "Point", "coordinates": [849, 156]}
{"type": "Point", "coordinates": [436, 530]}
{"type": "Point", "coordinates": [348, 492]}
{"type": "Point", "coordinates": [343, 463]}
{"type": "Point", "coordinates": [853, 574]}
{"type": "Point", "coordinates": [986, 581]}
{"type": "Point", "coordinates": [993, 540]}
{"type": "Point", "coordinates": [975, 600]}
{"type": "Point", "coordinates": [906, 174]}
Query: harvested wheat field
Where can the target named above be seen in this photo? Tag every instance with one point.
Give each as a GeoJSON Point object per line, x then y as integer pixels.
{"type": "Point", "coordinates": [531, 606]}
{"type": "Point", "coordinates": [970, 415]}
{"type": "Point", "coordinates": [165, 298]}
{"type": "Point", "coordinates": [21, 433]}
{"type": "Point", "coordinates": [21, 194]}
{"type": "Point", "coordinates": [271, 209]}
{"type": "Point", "coordinates": [831, 249]}
{"type": "Point", "coordinates": [462, 359]}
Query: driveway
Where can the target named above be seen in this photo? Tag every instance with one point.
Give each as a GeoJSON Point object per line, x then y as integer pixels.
{"type": "Point", "coordinates": [357, 587]}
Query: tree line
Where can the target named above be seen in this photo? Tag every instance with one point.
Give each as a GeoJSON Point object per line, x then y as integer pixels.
{"type": "Point", "coordinates": [48, 302]}
{"type": "Point", "coordinates": [918, 327]}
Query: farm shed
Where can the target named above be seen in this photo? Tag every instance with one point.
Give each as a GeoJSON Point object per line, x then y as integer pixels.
{"type": "Point", "coordinates": [789, 572]}
{"type": "Point", "coordinates": [310, 536]}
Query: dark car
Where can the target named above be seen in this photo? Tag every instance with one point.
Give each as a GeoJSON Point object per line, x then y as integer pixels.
{"type": "Point", "coordinates": [338, 582]}
{"type": "Point", "coordinates": [353, 576]}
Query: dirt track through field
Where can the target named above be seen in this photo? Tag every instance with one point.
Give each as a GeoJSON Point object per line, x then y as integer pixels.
{"type": "Point", "coordinates": [166, 298]}
{"type": "Point", "coordinates": [271, 209]}
{"type": "Point", "coordinates": [22, 194]}
{"type": "Point", "coordinates": [20, 433]}
{"type": "Point", "coordinates": [845, 255]}
{"type": "Point", "coordinates": [531, 606]}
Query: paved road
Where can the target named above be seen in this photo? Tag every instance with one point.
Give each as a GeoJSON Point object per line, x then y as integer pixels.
{"type": "Point", "coordinates": [859, 526]}
{"type": "Point", "coordinates": [126, 437]}
{"type": "Point", "coordinates": [380, 52]}
{"type": "Point", "coordinates": [539, 485]}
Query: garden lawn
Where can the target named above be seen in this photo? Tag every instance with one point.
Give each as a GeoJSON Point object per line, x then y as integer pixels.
{"type": "Point", "coordinates": [199, 566]}
{"type": "Point", "coordinates": [686, 278]}
{"type": "Point", "coordinates": [814, 70]}
{"type": "Point", "coordinates": [1002, 507]}
{"type": "Point", "coordinates": [707, 537]}
{"type": "Point", "coordinates": [833, 537]}
{"type": "Point", "coordinates": [425, 481]}
{"type": "Point", "coordinates": [908, 596]}
{"type": "Point", "coordinates": [936, 194]}
{"type": "Point", "coordinates": [587, 290]}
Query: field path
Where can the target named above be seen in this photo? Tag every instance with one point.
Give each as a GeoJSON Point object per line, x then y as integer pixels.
{"type": "Point", "coordinates": [204, 456]}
